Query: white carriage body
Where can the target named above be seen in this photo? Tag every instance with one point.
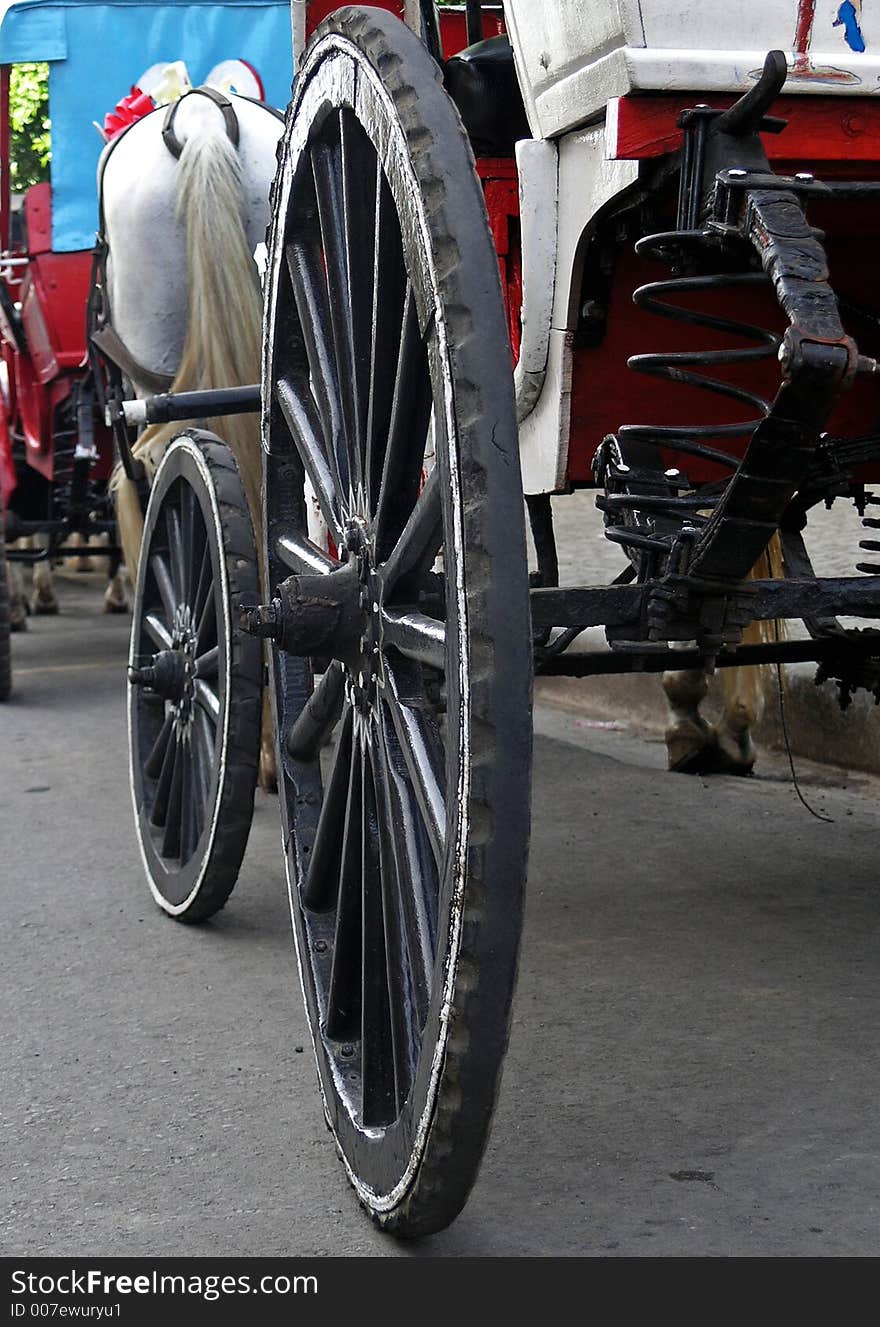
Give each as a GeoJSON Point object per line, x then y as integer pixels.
{"type": "Point", "coordinates": [573, 56]}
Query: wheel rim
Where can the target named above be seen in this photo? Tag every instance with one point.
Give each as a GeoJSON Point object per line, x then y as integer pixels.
{"type": "Point", "coordinates": [410, 780]}
{"type": "Point", "coordinates": [178, 670]}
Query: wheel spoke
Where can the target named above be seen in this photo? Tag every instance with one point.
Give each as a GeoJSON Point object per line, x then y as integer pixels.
{"type": "Point", "coordinates": [206, 630]}
{"type": "Point", "coordinates": [389, 283]}
{"type": "Point", "coordinates": [203, 760]}
{"type": "Point", "coordinates": [378, 1070]}
{"type": "Point", "coordinates": [301, 419]}
{"type": "Point", "coordinates": [208, 699]}
{"type": "Point", "coordinates": [153, 762]}
{"type": "Point", "coordinates": [417, 877]}
{"type": "Point", "coordinates": [327, 169]}
{"type": "Point", "coordinates": [204, 584]}
{"type": "Point", "coordinates": [414, 553]}
{"type": "Point", "coordinates": [157, 631]}
{"type": "Point", "coordinates": [360, 166]}
{"type": "Point", "coordinates": [416, 636]}
{"type": "Point", "coordinates": [174, 815]}
{"type": "Point", "coordinates": [305, 268]}
{"type": "Point", "coordinates": [188, 833]}
{"type": "Point", "coordinates": [408, 430]}
{"type": "Point", "coordinates": [178, 567]}
{"type": "Point", "coordinates": [207, 664]}
{"type": "Point", "coordinates": [318, 717]}
{"type": "Point", "coordinates": [408, 932]}
{"type": "Point", "coordinates": [188, 534]}
{"type": "Point", "coordinates": [164, 584]}
{"type": "Point", "coordinates": [299, 554]}
{"type": "Point", "coordinates": [344, 995]}
{"type": "Point", "coordinates": [159, 812]}
{"type": "Point", "coordinates": [420, 747]}
{"type": "Point", "coordinates": [325, 859]}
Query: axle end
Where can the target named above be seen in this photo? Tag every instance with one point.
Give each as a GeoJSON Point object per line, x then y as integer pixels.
{"type": "Point", "coordinates": [264, 620]}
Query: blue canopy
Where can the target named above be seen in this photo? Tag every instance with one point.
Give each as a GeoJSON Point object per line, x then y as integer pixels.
{"type": "Point", "coordinates": [97, 51]}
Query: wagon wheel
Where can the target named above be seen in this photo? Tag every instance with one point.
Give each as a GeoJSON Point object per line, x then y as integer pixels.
{"type": "Point", "coordinates": [388, 389]}
{"type": "Point", "coordinates": [5, 649]}
{"type": "Point", "coordinates": [194, 680]}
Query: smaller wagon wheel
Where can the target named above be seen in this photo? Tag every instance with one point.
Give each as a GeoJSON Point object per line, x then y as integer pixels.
{"type": "Point", "coordinates": [194, 696]}
{"type": "Point", "coordinates": [5, 651]}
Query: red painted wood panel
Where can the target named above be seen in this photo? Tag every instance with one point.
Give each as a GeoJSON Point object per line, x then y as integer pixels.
{"type": "Point", "coordinates": [819, 128]}
{"type": "Point", "coordinates": [453, 28]}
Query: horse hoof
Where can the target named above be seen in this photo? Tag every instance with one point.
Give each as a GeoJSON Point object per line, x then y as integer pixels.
{"type": "Point", "coordinates": [115, 606]}
{"type": "Point", "coordinates": [18, 620]}
{"type": "Point", "coordinates": [736, 754]}
{"type": "Point", "coordinates": [45, 607]}
{"type": "Point", "coordinates": [691, 748]}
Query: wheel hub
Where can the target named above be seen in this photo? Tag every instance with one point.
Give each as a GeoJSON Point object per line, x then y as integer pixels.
{"type": "Point", "coordinates": [337, 615]}
{"type": "Point", "coordinates": [171, 673]}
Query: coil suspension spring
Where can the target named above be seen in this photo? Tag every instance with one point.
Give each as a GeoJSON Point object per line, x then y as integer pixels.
{"type": "Point", "coordinates": [648, 508]}
{"type": "Point", "coordinates": [870, 545]}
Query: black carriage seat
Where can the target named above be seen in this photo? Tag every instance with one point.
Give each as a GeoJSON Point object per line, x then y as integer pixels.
{"type": "Point", "coordinates": [482, 82]}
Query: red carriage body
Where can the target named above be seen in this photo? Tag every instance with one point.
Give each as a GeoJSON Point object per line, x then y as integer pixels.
{"type": "Point", "coordinates": [833, 136]}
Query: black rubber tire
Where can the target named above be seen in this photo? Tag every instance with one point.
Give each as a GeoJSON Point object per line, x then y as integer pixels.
{"type": "Point", "coordinates": [5, 645]}
{"type": "Point", "coordinates": [413, 1171]}
{"type": "Point", "coordinates": [192, 875]}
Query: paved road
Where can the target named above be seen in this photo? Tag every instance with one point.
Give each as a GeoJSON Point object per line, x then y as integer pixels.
{"type": "Point", "coordinates": [693, 1065]}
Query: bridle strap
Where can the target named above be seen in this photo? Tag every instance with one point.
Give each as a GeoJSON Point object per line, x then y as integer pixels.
{"type": "Point", "coordinates": [173, 143]}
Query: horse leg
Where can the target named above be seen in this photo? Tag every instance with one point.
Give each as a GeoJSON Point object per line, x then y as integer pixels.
{"type": "Point", "coordinates": [45, 600]}
{"type": "Point", "coordinates": [744, 689]}
{"type": "Point", "coordinates": [690, 741]}
{"type": "Point", "coordinates": [78, 563]}
{"type": "Point", "coordinates": [115, 600]}
{"type": "Point", "coordinates": [268, 776]}
{"type": "Point", "coordinates": [98, 563]}
{"type": "Point", "coordinates": [743, 693]}
{"type": "Point", "coordinates": [129, 519]}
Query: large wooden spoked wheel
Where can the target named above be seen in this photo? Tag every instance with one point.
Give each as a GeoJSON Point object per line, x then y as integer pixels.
{"type": "Point", "coordinates": [195, 679]}
{"type": "Point", "coordinates": [401, 664]}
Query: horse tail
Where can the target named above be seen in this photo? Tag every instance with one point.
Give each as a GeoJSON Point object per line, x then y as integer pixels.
{"type": "Point", "coordinates": [224, 310]}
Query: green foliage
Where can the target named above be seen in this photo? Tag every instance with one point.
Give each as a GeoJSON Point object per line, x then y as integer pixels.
{"type": "Point", "coordinates": [30, 147]}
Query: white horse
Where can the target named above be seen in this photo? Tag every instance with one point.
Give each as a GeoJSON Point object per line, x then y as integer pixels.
{"type": "Point", "coordinates": [181, 280]}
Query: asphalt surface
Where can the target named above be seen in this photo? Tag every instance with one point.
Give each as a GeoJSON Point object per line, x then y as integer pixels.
{"type": "Point", "coordinates": [692, 1068]}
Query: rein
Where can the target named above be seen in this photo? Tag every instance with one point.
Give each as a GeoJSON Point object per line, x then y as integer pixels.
{"type": "Point", "coordinates": [223, 104]}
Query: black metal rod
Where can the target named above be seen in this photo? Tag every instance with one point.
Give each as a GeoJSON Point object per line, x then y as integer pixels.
{"type": "Point", "coordinates": [474, 11]}
{"type": "Point", "coordinates": [618, 605]}
{"type": "Point", "coordinates": [659, 661]}
{"type": "Point", "coordinates": [173, 406]}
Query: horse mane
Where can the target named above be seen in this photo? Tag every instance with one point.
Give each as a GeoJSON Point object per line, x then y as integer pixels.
{"type": "Point", "coordinates": [224, 317]}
